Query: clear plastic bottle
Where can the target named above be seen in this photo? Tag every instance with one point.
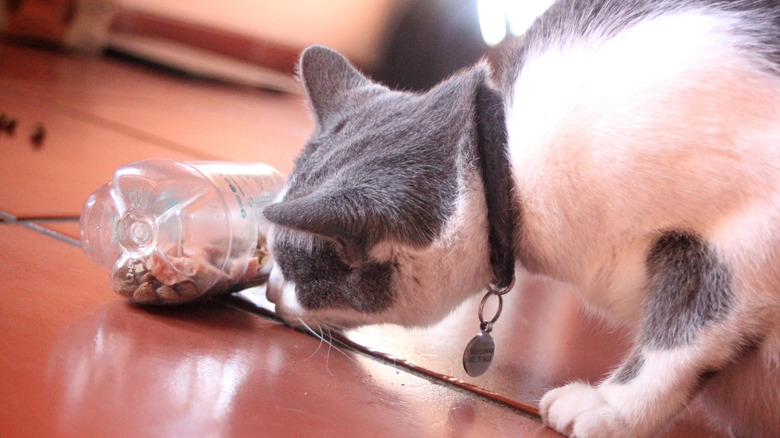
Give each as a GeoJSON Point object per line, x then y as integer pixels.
{"type": "Point", "coordinates": [173, 231]}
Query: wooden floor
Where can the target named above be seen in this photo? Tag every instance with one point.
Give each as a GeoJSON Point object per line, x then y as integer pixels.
{"type": "Point", "coordinates": [76, 360]}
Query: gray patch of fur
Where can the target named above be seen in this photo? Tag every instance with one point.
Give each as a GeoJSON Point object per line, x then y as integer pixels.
{"type": "Point", "coordinates": [629, 369]}
{"type": "Point", "coordinates": [690, 287]}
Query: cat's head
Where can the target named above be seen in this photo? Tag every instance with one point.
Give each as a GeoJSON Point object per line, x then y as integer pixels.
{"type": "Point", "coordinates": [383, 217]}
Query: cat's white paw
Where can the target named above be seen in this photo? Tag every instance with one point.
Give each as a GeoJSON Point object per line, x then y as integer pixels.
{"type": "Point", "coordinates": [578, 410]}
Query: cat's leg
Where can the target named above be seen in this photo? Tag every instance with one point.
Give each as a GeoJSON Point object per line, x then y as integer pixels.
{"type": "Point", "coordinates": [693, 326]}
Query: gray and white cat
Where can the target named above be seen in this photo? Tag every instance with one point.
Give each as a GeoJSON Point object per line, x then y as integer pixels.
{"type": "Point", "coordinates": [631, 149]}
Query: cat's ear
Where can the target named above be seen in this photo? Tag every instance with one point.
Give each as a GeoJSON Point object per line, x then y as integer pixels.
{"type": "Point", "coordinates": [452, 104]}
{"type": "Point", "coordinates": [357, 212]}
{"type": "Point", "coordinates": [325, 213]}
{"type": "Point", "coordinates": [327, 76]}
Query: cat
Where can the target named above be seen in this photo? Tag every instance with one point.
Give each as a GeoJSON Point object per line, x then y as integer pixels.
{"type": "Point", "coordinates": [628, 147]}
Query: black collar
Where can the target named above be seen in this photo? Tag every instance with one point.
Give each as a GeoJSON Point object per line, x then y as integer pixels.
{"type": "Point", "coordinates": [502, 210]}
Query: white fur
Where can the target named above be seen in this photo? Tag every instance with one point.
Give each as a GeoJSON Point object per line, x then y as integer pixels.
{"type": "Point", "coordinates": [634, 410]}
{"type": "Point", "coordinates": [590, 127]}
{"type": "Point", "coordinates": [282, 293]}
{"type": "Point", "coordinates": [454, 266]}
{"type": "Point", "coordinates": [579, 410]}
{"type": "Point", "coordinates": [586, 153]}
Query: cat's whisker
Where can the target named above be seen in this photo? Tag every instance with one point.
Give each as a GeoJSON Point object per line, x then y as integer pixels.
{"type": "Point", "coordinates": [330, 347]}
{"type": "Point", "coordinates": [329, 341]}
{"type": "Point", "coordinates": [316, 335]}
{"type": "Point", "coordinates": [333, 341]}
{"type": "Point", "coordinates": [379, 339]}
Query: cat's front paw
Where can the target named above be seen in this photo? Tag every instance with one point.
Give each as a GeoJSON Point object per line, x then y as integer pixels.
{"type": "Point", "coordinates": [577, 410]}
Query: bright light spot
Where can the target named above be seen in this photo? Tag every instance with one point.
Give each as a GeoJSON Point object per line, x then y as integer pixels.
{"type": "Point", "coordinates": [522, 13]}
{"type": "Point", "coordinates": [495, 14]}
{"type": "Point", "coordinates": [492, 21]}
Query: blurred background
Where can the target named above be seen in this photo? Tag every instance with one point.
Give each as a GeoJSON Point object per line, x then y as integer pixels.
{"type": "Point", "coordinates": [410, 44]}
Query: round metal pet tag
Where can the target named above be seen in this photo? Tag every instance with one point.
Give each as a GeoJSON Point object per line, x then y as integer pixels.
{"type": "Point", "coordinates": [478, 354]}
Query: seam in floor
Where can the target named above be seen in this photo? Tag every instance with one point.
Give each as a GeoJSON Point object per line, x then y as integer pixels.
{"type": "Point", "coordinates": [9, 219]}
{"type": "Point", "coordinates": [527, 411]}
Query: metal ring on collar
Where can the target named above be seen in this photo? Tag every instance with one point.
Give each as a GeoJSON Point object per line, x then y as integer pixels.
{"type": "Point", "coordinates": [487, 325]}
{"type": "Point", "coordinates": [496, 291]}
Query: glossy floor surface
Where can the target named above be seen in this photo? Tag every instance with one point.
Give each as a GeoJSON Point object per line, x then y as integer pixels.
{"type": "Point", "coordinates": [76, 360]}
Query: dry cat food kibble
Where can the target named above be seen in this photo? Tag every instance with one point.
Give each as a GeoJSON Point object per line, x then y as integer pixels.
{"type": "Point", "coordinates": [172, 278]}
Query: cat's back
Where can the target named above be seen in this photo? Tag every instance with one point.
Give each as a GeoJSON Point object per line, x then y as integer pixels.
{"type": "Point", "coordinates": [627, 122]}
{"type": "Point", "coordinates": [653, 113]}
